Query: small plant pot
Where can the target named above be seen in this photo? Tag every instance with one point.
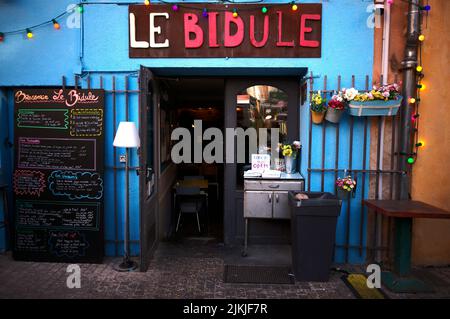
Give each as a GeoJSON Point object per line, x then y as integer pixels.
{"type": "Point", "coordinates": [342, 193]}
{"type": "Point", "coordinates": [317, 117]}
{"type": "Point", "coordinates": [334, 115]}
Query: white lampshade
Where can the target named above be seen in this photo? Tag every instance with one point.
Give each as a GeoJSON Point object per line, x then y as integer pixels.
{"type": "Point", "coordinates": [127, 135]}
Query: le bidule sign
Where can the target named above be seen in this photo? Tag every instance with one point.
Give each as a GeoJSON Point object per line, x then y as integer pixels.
{"type": "Point", "coordinates": [157, 31]}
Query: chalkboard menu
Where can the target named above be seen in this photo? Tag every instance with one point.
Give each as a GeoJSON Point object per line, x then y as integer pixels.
{"type": "Point", "coordinates": [58, 175]}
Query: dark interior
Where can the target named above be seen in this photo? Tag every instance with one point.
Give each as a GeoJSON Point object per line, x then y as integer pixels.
{"type": "Point", "coordinates": [184, 100]}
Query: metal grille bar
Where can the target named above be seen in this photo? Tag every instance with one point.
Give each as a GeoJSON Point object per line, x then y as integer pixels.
{"type": "Point", "coordinates": [361, 174]}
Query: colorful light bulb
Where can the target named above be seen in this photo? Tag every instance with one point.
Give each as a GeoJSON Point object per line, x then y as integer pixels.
{"type": "Point", "coordinates": [390, 1]}
{"type": "Point", "coordinates": [410, 160]}
{"type": "Point", "coordinates": [412, 100]}
{"type": "Point", "coordinates": [419, 68]}
{"type": "Point", "coordinates": [264, 10]}
{"type": "Point", "coordinates": [175, 7]}
{"type": "Point", "coordinates": [426, 8]}
{"type": "Point", "coordinates": [294, 7]}
{"type": "Point", "coordinates": [80, 8]}
{"type": "Point", "coordinates": [421, 37]}
{"type": "Point", "coordinates": [205, 13]}
{"type": "Point", "coordinates": [235, 14]}
{"type": "Point", "coordinates": [56, 24]}
{"type": "Point", "coordinates": [29, 34]}
{"type": "Point", "coordinates": [147, 2]}
{"type": "Point", "coordinates": [419, 144]}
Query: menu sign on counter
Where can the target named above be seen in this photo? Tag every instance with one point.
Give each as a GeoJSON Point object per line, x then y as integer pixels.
{"type": "Point", "coordinates": [58, 175]}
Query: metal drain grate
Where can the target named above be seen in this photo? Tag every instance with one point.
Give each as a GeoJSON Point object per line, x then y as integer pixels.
{"type": "Point", "coordinates": [258, 274]}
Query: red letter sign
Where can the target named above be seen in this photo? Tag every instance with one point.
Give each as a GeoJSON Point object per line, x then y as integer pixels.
{"type": "Point", "coordinates": [253, 41]}
{"type": "Point", "coordinates": [237, 38]}
{"type": "Point", "coordinates": [304, 29]}
{"type": "Point", "coordinates": [280, 32]}
{"type": "Point", "coordinates": [190, 26]}
{"type": "Point", "coordinates": [212, 23]}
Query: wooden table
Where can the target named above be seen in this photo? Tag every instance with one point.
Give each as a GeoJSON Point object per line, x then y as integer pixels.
{"type": "Point", "coordinates": [403, 212]}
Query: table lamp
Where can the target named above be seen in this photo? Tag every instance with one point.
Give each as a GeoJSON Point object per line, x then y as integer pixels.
{"type": "Point", "coordinates": [127, 136]}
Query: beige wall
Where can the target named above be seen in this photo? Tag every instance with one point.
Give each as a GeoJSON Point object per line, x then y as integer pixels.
{"type": "Point", "coordinates": [431, 172]}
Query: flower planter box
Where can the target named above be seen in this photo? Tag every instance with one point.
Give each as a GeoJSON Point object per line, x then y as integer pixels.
{"type": "Point", "coordinates": [374, 108]}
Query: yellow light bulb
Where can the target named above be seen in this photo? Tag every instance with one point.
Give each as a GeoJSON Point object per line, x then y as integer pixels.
{"type": "Point", "coordinates": [419, 68]}
{"type": "Point", "coordinates": [294, 7]}
{"type": "Point", "coordinates": [412, 100]}
{"type": "Point", "coordinates": [29, 35]}
{"type": "Point", "coordinates": [147, 2]}
{"type": "Point", "coordinates": [423, 86]}
{"type": "Point", "coordinates": [235, 14]}
{"type": "Point", "coordinates": [421, 37]}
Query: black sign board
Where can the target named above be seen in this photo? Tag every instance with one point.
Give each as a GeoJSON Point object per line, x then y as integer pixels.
{"type": "Point", "coordinates": [58, 175]}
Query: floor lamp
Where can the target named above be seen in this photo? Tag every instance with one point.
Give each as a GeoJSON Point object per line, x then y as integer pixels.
{"type": "Point", "coordinates": [127, 136]}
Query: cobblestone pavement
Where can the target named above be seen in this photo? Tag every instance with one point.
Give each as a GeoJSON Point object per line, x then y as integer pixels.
{"type": "Point", "coordinates": [176, 271]}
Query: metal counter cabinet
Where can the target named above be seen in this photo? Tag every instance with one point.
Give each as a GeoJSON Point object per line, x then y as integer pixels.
{"type": "Point", "coordinates": [264, 198]}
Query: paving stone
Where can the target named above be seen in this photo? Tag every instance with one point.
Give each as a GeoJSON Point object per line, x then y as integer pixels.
{"type": "Point", "coordinates": [175, 272]}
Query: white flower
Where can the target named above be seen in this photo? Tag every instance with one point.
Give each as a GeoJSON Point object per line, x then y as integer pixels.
{"type": "Point", "coordinates": [350, 94]}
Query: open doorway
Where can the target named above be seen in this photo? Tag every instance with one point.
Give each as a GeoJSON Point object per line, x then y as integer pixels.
{"type": "Point", "coordinates": [183, 101]}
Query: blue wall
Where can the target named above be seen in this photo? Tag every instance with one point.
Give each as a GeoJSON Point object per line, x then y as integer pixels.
{"type": "Point", "coordinates": [100, 46]}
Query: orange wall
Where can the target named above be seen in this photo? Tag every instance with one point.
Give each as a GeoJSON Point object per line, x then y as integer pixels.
{"type": "Point", "coordinates": [431, 172]}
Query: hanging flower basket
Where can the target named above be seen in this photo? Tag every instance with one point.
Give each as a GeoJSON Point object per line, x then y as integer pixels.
{"type": "Point", "coordinates": [317, 117]}
{"type": "Point", "coordinates": [318, 106]}
{"type": "Point", "coordinates": [374, 107]}
{"type": "Point", "coordinates": [333, 115]}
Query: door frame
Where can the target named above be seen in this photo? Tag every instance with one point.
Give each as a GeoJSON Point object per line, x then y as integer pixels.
{"type": "Point", "coordinates": [290, 85]}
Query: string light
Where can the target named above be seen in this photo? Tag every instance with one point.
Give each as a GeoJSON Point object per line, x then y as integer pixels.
{"type": "Point", "coordinates": [56, 24]}
{"type": "Point", "coordinates": [425, 8]}
{"type": "Point", "coordinates": [80, 9]}
{"type": "Point", "coordinates": [29, 34]}
{"type": "Point", "coordinates": [421, 86]}
{"type": "Point", "coordinates": [412, 100]}
{"type": "Point", "coordinates": [414, 117]}
{"type": "Point", "coordinates": [421, 38]}
{"type": "Point", "coordinates": [410, 160]}
{"type": "Point", "coordinates": [419, 68]}
{"type": "Point", "coordinates": [419, 144]}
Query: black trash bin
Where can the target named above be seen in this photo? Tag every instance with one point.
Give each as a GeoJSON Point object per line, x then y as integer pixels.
{"type": "Point", "coordinates": [313, 230]}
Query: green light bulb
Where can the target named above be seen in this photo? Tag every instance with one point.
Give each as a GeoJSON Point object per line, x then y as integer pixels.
{"type": "Point", "coordinates": [264, 10]}
{"type": "Point", "coordinates": [410, 160]}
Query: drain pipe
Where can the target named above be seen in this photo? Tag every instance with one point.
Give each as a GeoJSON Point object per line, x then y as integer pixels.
{"type": "Point", "coordinates": [409, 90]}
{"type": "Point", "coordinates": [385, 75]}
